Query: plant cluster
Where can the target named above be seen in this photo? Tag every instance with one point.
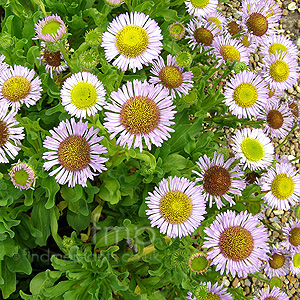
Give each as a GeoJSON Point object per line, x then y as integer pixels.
{"type": "Point", "coordinates": [117, 180]}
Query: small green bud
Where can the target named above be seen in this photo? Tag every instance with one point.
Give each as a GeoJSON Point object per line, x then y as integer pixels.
{"type": "Point", "coordinates": [68, 242]}
{"type": "Point", "coordinates": [93, 38]}
{"type": "Point", "coordinates": [6, 40]}
{"type": "Point", "coordinates": [200, 292]}
{"type": "Point", "coordinates": [184, 59]}
{"type": "Point", "coordinates": [177, 30]}
{"type": "Point", "coordinates": [198, 262]}
{"type": "Point", "coordinates": [239, 67]}
{"type": "Point", "coordinates": [89, 59]}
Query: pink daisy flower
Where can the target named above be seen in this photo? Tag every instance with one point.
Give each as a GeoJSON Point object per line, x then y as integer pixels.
{"type": "Point", "coordinates": [76, 150]}
{"type": "Point", "coordinates": [176, 206]}
{"type": "Point", "coordinates": [171, 77]}
{"type": "Point", "coordinates": [237, 243]}
{"type": "Point", "coordinates": [275, 294]}
{"type": "Point", "coordinates": [140, 111]}
{"type": "Point", "coordinates": [220, 179]}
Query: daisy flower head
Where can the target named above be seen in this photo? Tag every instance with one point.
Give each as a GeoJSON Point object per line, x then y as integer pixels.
{"type": "Point", "coordinates": [201, 8]}
{"type": "Point", "coordinates": [254, 148]}
{"type": "Point", "coordinates": [201, 33]}
{"type": "Point", "coordinates": [280, 71]}
{"type": "Point", "coordinates": [279, 119]}
{"type": "Point", "coordinates": [53, 61]}
{"type": "Point", "coordinates": [22, 176]}
{"type": "Point", "coordinates": [18, 86]}
{"type": "Point", "coordinates": [283, 185]}
{"type": "Point", "coordinates": [140, 111]}
{"type": "Point", "coordinates": [295, 263]}
{"type": "Point", "coordinates": [176, 206]}
{"type": "Point", "coordinates": [278, 263]}
{"type": "Point", "coordinates": [246, 94]}
{"type": "Point", "coordinates": [220, 179]}
{"type": "Point", "coordinates": [278, 43]}
{"type": "Point", "coordinates": [275, 294]}
{"type": "Point", "coordinates": [50, 29]}
{"type": "Point", "coordinates": [177, 30]}
{"type": "Point", "coordinates": [258, 20]}
{"type": "Point", "coordinates": [291, 234]}
{"type": "Point", "coordinates": [76, 150]}
{"type": "Point", "coordinates": [82, 95]}
{"type": "Point", "coordinates": [237, 242]}
{"type": "Point", "coordinates": [216, 18]}
{"type": "Point", "coordinates": [134, 39]}
{"type": "Point", "coordinates": [213, 292]}
{"type": "Point", "coordinates": [10, 135]}
{"type": "Point", "coordinates": [225, 48]}
{"type": "Point", "coordinates": [114, 3]}
{"type": "Point", "coordinates": [171, 77]}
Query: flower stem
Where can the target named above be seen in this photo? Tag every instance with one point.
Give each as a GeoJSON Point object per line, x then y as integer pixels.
{"type": "Point", "coordinates": [281, 144]}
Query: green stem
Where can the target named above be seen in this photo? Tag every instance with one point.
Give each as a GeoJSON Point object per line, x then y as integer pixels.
{"type": "Point", "coordinates": [172, 46]}
{"type": "Point", "coordinates": [294, 159]}
{"type": "Point", "coordinates": [271, 227]}
{"type": "Point", "coordinates": [260, 278]}
{"type": "Point", "coordinates": [128, 3]}
{"type": "Point", "coordinates": [64, 53]}
{"type": "Point", "coordinates": [108, 212]}
{"type": "Point", "coordinates": [120, 79]}
{"type": "Point", "coordinates": [294, 127]}
{"type": "Point", "coordinates": [54, 228]}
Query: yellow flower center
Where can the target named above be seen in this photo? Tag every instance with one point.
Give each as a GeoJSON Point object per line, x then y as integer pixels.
{"type": "Point", "coordinates": [252, 149]}
{"type": "Point", "coordinates": [245, 95]}
{"type": "Point", "coordinates": [203, 36]}
{"type": "Point", "coordinates": [171, 77]}
{"type": "Point", "coordinates": [283, 186]}
{"type": "Point", "coordinates": [271, 298]}
{"type": "Point", "coordinates": [277, 261]}
{"type": "Point", "coordinates": [132, 40]}
{"type": "Point", "coordinates": [3, 133]}
{"type": "Point", "coordinates": [245, 41]}
{"type": "Point", "coordinates": [276, 48]}
{"type": "Point", "coordinates": [176, 207]}
{"type": "Point", "coordinates": [216, 21]}
{"type": "Point", "coordinates": [236, 243]}
{"type": "Point", "coordinates": [279, 70]}
{"type": "Point", "coordinates": [211, 296]}
{"type": "Point", "coordinates": [296, 260]}
{"type": "Point", "coordinates": [51, 27]}
{"type": "Point", "coordinates": [74, 153]}
{"type": "Point", "coordinates": [257, 24]}
{"type": "Point", "coordinates": [16, 88]}
{"type": "Point", "coordinates": [275, 119]}
{"type": "Point", "coordinates": [229, 52]}
{"type": "Point", "coordinates": [199, 3]}
{"type": "Point", "coordinates": [216, 181]}
{"type": "Point", "coordinates": [295, 237]}
{"type": "Point", "coordinates": [83, 95]}
{"type": "Point", "coordinates": [140, 115]}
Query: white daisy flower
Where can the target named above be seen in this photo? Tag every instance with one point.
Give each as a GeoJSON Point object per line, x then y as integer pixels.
{"type": "Point", "coordinates": [201, 8]}
{"type": "Point", "coordinates": [82, 95]}
{"type": "Point", "coordinates": [134, 39]}
{"type": "Point", "coordinates": [254, 148]}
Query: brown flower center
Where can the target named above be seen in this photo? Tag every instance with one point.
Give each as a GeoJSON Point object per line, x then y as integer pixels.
{"type": "Point", "coordinates": [171, 77]}
{"type": "Point", "coordinates": [277, 261]}
{"type": "Point", "coordinates": [53, 59]}
{"type": "Point", "coordinates": [3, 133]}
{"type": "Point", "coordinates": [275, 119]}
{"type": "Point", "coordinates": [216, 181]}
{"type": "Point", "coordinates": [295, 237]}
{"type": "Point", "coordinates": [203, 36]}
{"type": "Point", "coordinates": [234, 28]}
{"type": "Point", "coordinates": [257, 24]}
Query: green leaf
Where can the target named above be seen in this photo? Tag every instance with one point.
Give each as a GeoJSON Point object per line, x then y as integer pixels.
{"type": "Point", "coordinates": [9, 280]}
{"type": "Point", "coordinates": [52, 187]}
